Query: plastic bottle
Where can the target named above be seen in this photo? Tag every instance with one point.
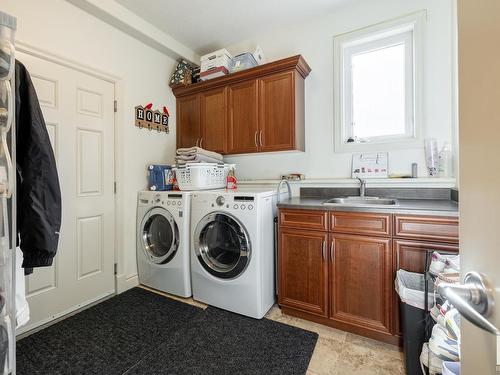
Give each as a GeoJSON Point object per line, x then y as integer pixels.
{"type": "Point", "coordinates": [431, 157]}
{"type": "Point", "coordinates": [231, 182]}
{"type": "Point", "coordinates": [445, 162]}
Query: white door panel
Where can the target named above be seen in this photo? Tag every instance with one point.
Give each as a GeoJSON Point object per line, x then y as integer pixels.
{"type": "Point", "coordinates": [78, 110]}
{"type": "Point", "coordinates": [479, 87]}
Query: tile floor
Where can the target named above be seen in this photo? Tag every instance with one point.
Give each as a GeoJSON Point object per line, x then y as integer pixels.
{"type": "Point", "coordinates": [337, 352]}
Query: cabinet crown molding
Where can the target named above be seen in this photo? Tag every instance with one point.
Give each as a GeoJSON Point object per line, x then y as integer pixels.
{"type": "Point", "coordinates": [295, 62]}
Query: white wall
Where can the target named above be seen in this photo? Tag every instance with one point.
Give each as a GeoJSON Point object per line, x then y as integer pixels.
{"type": "Point", "coordinates": [58, 27]}
{"type": "Point", "coordinates": [314, 40]}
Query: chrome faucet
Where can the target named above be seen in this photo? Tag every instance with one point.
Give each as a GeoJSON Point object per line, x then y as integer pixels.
{"type": "Point", "coordinates": [362, 187]}
{"type": "Point", "coordinates": [278, 189]}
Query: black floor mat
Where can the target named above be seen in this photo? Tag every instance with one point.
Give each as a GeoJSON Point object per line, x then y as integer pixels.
{"type": "Point", "coordinates": [139, 332]}
{"type": "Point", "coordinates": [108, 338]}
{"type": "Point", "coordinates": [221, 342]}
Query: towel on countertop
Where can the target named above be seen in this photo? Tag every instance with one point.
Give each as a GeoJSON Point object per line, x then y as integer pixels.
{"type": "Point", "coordinates": [193, 151]}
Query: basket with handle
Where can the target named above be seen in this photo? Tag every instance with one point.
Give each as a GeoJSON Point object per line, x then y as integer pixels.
{"type": "Point", "coordinates": [201, 176]}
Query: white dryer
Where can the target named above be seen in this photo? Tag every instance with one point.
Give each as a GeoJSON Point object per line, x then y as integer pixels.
{"type": "Point", "coordinates": [232, 255]}
{"type": "Point", "coordinates": [163, 220]}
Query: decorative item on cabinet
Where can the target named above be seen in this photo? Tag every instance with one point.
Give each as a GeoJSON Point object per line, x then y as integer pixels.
{"type": "Point", "coordinates": [146, 118]}
{"type": "Point", "coordinates": [196, 75]}
{"type": "Point", "coordinates": [183, 74]}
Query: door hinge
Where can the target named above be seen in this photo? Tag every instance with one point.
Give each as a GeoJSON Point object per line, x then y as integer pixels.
{"type": "Point", "coordinates": [115, 106]}
{"type": "Point", "coordinates": [116, 268]}
{"type": "Point", "coordinates": [114, 187]}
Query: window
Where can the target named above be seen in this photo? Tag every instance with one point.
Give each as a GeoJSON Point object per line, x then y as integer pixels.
{"type": "Point", "coordinates": [377, 73]}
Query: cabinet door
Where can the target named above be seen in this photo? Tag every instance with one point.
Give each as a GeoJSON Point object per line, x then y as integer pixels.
{"type": "Point", "coordinates": [277, 112]}
{"type": "Point", "coordinates": [243, 118]}
{"type": "Point", "coordinates": [410, 256]}
{"type": "Point", "coordinates": [361, 281]}
{"type": "Point", "coordinates": [213, 118]}
{"type": "Point", "coordinates": [303, 270]}
{"type": "Point", "coordinates": [188, 121]}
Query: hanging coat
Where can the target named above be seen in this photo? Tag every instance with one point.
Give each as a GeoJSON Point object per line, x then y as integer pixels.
{"type": "Point", "coordinates": [38, 191]}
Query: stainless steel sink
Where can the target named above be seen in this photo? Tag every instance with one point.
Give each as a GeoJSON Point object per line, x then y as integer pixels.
{"type": "Point", "coordinates": [361, 201]}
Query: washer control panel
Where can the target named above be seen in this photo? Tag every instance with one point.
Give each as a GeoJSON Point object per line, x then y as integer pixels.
{"type": "Point", "coordinates": [240, 203]}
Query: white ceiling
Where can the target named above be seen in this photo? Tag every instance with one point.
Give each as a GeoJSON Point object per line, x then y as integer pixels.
{"type": "Point", "coordinates": [204, 25]}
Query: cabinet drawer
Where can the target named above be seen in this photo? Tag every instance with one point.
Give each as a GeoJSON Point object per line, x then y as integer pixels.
{"type": "Point", "coordinates": [361, 223]}
{"type": "Point", "coordinates": [307, 219]}
{"type": "Point", "coordinates": [432, 228]}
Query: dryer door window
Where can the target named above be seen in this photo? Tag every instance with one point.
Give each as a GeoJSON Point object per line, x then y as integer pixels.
{"type": "Point", "coordinates": [222, 245]}
{"type": "Point", "coordinates": [160, 236]}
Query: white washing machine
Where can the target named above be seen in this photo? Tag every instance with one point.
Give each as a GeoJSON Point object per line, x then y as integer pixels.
{"type": "Point", "coordinates": [163, 222]}
{"type": "Point", "coordinates": [232, 255]}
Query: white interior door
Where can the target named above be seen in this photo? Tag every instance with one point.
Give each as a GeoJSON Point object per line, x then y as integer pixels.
{"type": "Point", "coordinates": [479, 86]}
{"type": "Point", "coordinates": [79, 113]}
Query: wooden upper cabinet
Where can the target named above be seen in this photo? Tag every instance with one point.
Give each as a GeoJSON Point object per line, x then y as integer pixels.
{"type": "Point", "coordinates": [242, 118]}
{"type": "Point", "coordinates": [361, 281]}
{"type": "Point", "coordinates": [213, 105]}
{"type": "Point", "coordinates": [264, 109]}
{"type": "Point", "coordinates": [303, 270]}
{"type": "Point", "coordinates": [188, 121]}
{"type": "Point", "coordinates": [277, 112]}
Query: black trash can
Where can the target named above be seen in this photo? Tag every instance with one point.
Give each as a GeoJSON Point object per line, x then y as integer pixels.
{"type": "Point", "coordinates": [414, 317]}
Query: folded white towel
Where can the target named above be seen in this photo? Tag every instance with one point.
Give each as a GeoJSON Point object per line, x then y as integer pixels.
{"type": "Point", "coordinates": [187, 150]}
{"type": "Point", "coordinates": [199, 158]}
{"type": "Point", "coordinates": [199, 151]}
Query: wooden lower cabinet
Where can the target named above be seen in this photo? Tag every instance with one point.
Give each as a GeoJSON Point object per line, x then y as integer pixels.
{"type": "Point", "coordinates": [361, 283]}
{"type": "Point", "coordinates": [303, 270]}
{"type": "Point", "coordinates": [338, 268]}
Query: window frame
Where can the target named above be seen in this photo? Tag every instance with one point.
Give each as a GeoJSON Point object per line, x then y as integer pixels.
{"type": "Point", "coordinates": [375, 37]}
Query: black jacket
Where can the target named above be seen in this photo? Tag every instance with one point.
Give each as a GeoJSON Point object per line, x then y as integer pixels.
{"type": "Point", "coordinates": [38, 192]}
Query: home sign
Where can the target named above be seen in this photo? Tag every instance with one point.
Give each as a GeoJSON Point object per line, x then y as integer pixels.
{"type": "Point", "coordinates": [147, 118]}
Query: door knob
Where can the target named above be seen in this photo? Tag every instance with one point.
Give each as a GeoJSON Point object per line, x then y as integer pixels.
{"type": "Point", "coordinates": [474, 300]}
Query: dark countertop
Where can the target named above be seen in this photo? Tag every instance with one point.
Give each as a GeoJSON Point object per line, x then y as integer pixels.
{"type": "Point", "coordinates": [435, 207]}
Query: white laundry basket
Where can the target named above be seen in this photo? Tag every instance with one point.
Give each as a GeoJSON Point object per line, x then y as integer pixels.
{"type": "Point", "coordinates": [201, 176]}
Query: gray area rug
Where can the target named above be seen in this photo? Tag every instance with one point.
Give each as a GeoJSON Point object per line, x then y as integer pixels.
{"type": "Point", "coordinates": [140, 332]}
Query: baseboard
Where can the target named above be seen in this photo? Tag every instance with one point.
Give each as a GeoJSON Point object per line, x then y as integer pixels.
{"type": "Point", "coordinates": [124, 282]}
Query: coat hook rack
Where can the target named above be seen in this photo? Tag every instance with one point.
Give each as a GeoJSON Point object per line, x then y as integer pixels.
{"type": "Point", "coordinates": [147, 118]}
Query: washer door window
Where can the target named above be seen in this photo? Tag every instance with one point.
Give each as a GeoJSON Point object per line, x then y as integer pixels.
{"type": "Point", "coordinates": [222, 245]}
{"type": "Point", "coordinates": [160, 236]}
